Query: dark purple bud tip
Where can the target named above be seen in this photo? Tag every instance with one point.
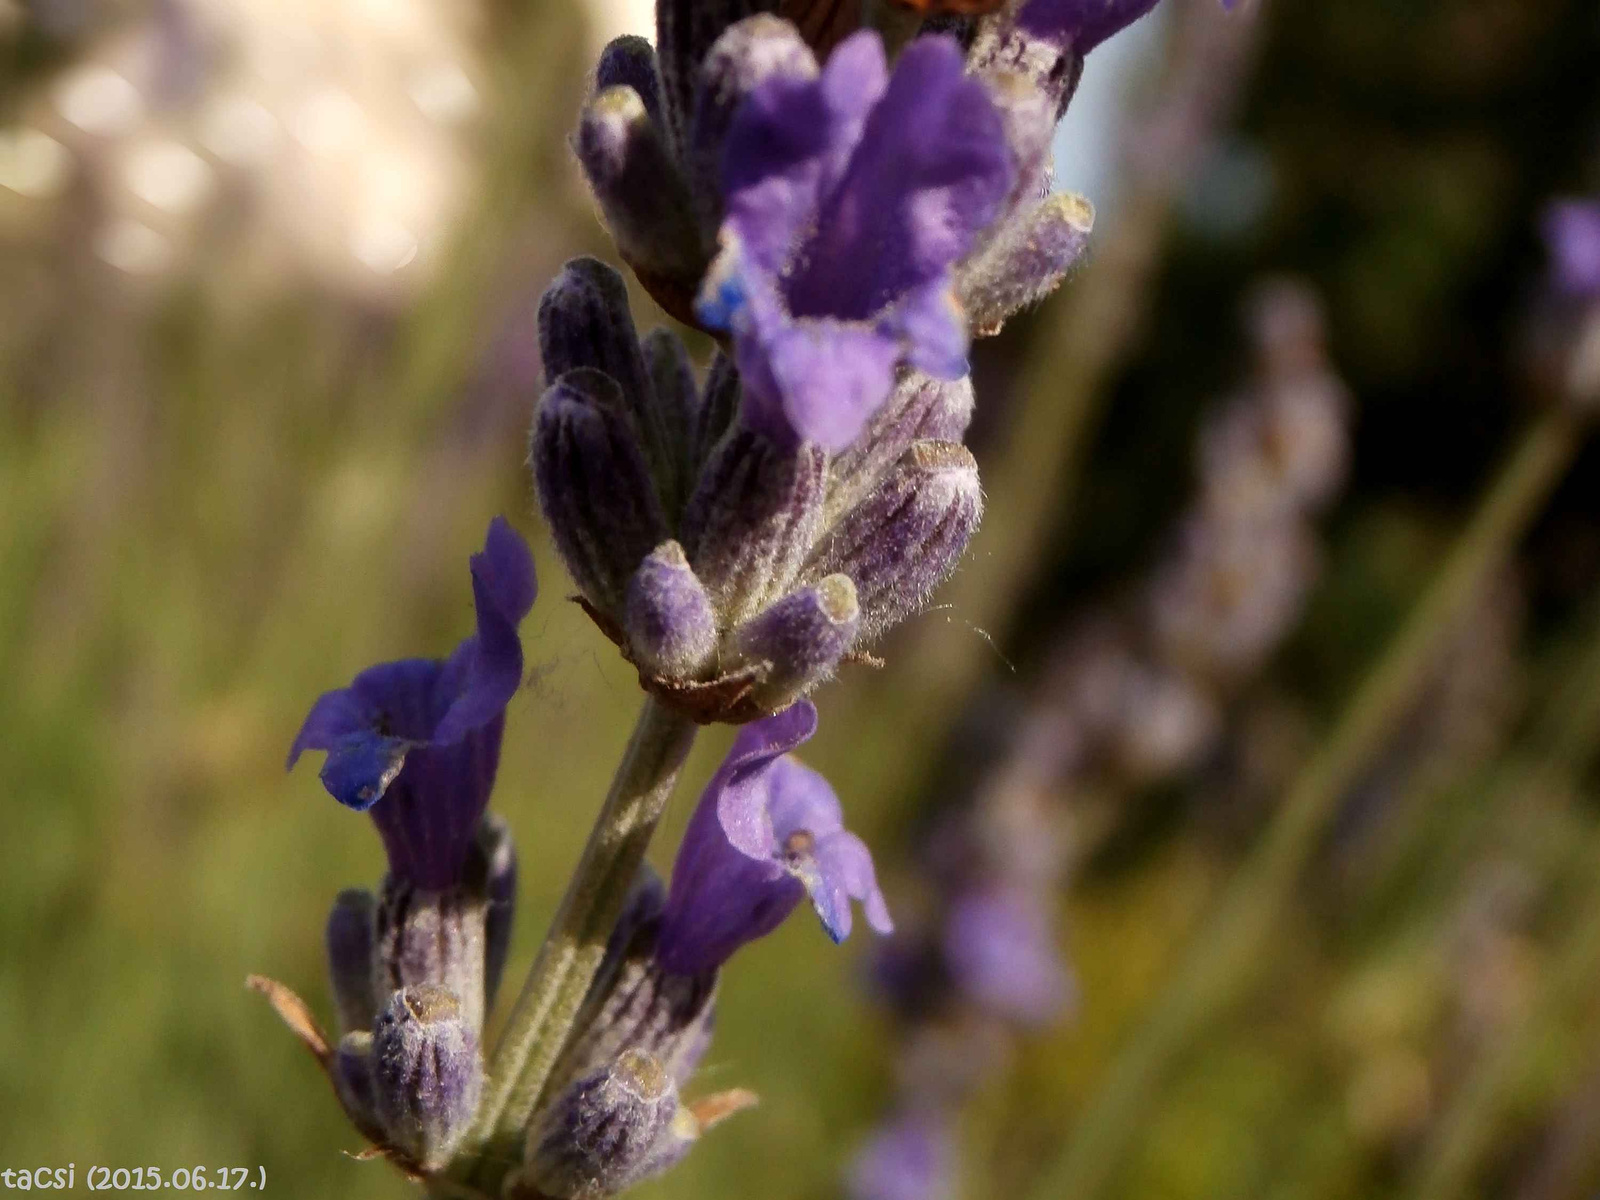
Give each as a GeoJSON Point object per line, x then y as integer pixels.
{"type": "Point", "coordinates": [800, 639]}
{"type": "Point", "coordinates": [638, 186]}
{"type": "Point", "coordinates": [351, 1072]}
{"type": "Point", "coordinates": [584, 321]}
{"type": "Point", "coordinates": [595, 485]}
{"type": "Point", "coordinates": [426, 1073]}
{"type": "Point", "coordinates": [606, 1132]}
{"type": "Point", "coordinates": [904, 539]}
{"type": "Point", "coordinates": [351, 942]}
{"type": "Point", "coordinates": [630, 61]}
{"type": "Point", "coordinates": [671, 627]}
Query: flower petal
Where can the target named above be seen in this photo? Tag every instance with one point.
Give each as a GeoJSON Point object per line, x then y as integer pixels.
{"type": "Point", "coordinates": [486, 669]}
{"type": "Point", "coordinates": [739, 785]}
{"type": "Point", "coordinates": [361, 767]}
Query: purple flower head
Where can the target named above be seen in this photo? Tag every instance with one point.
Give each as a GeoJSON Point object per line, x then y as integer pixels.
{"type": "Point", "coordinates": [1000, 952]}
{"type": "Point", "coordinates": [911, 1158]}
{"type": "Point", "coordinates": [1572, 233]}
{"type": "Point", "coordinates": [766, 833]}
{"type": "Point", "coordinates": [423, 735]}
{"type": "Point", "coordinates": [849, 197]}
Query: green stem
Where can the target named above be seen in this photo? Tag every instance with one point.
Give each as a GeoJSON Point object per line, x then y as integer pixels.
{"type": "Point", "coordinates": [1465, 1130]}
{"type": "Point", "coordinates": [542, 1018]}
{"type": "Point", "coordinates": [1223, 956]}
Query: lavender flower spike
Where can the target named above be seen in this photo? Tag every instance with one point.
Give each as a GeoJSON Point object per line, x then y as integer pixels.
{"type": "Point", "coordinates": [417, 741]}
{"type": "Point", "coordinates": [849, 198]}
{"type": "Point", "coordinates": [767, 831]}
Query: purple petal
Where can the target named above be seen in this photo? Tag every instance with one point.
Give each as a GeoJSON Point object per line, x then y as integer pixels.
{"type": "Point", "coordinates": [932, 326]}
{"type": "Point", "coordinates": [832, 377]}
{"type": "Point", "coordinates": [335, 716]}
{"type": "Point", "coordinates": [490, 663]}
{"type": "Point", "coordinates": [1082, 23]}
{"type": "Point", "coordinates": [361, 767]}
{"type": "Point", "coordinates": [840, 870]}
{"type": "Point", "coordinates": [739, 786]}
{"type": "Point", "coordinates": [929, 173]}
{"type": "Point", "coordinates": [800, 799]}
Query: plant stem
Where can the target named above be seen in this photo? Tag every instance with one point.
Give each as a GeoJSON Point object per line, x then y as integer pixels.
{"type": "Point", "coordinates": [1232, 944]}
{"type": "Point", "coordinates": [542, 1018]}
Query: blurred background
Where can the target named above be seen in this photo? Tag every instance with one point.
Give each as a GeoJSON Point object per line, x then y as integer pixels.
{"type": "Point", "coordinates": [1328, 886]}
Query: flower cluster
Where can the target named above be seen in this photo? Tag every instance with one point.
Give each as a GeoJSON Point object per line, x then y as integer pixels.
{"type": "Point", "coordinates": [1123, 706]}
{"type": "Point", "coordinates": [843, 228]}
{"type": "Point", "coordinates": [415, 968]}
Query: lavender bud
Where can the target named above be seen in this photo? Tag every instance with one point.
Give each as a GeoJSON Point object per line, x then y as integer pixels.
{"type": "Point", "coordinates": [677, 401]}
{"type": "Point", "coordinates": [1027, 261]}
{"type": "Point", "coordinates": [639, 189]}
{"type": "Point", "coordinates": [801, 639]}
{"type": "Point", "coordinates": [594, 485]}
{"type": "Point", "coordinates": [920, 408]}
{"type": "Point", "coordinates": [671, 627]}
{"type": "Point", "coordinates": [752, 519]}
{"type": "Point", "coordinates": [351, 1071]}
{"type": "Point", "coordinates": [903, 540]}
{"type": "Point", "coordinates": [719, 408]}
{"type": "Point", "coordinates": [434, 938]}
{"type": "Point", "coordinates": [1030, 121]}
{"type": "Point", "coordinates": [606, 1132]}
{"type": "Point", "coordinates": [427, 1074]}
{"type": "Point", "coordinates": [644, 1007]}
{"type": "Point", "coordinates": [584, 321]}
{"type": "Point", "coordinates": [351, 942]}
{"type": "Point", "coordinates": [630, 61]}
{"type": "Point", "coordinates": [685, 31]}
{"type": "Point", "coordinates": [746, 53]}
{"type": "Point", "coordinates": [499, 855]}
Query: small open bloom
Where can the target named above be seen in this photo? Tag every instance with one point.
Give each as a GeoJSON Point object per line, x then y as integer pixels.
{"type": "Point", "coordinates": [849, 197]}
{"type": "Point", "coordinates": [417, 741]}
{"type": "Point", "coordinates": [767, 832]}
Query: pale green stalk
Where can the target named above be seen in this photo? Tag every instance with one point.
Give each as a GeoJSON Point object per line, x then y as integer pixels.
{"type": "Point", "coordinates": [540, 1022]}
{"type": "Point", "coordinates": [1233, 942]}
{"type": "Point", "coordinates": [1465, 1130]}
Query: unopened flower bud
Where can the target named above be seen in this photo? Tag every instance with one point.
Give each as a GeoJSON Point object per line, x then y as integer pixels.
{"type": "Point", "coordinates": [904, 539]}
{"type": "Point", "coordinates": [1026, 262]}
{"type": "Point", "coordinates": [351, 1072]}
{"type": "Point", "coordinates": [671, 627]}
{"type": "Point", "coordinates": [606, 1132]}
{"type": "Point", "coordinates": [639, 189]}
{"type": "Point", "coordinates": [752, 519]}
{"type": "Point", "coordinates": [595, 485]}
{"type": "Point", "coordinates": [427, 1074]}
{"type": "Point", "coordinates": [921, 408]}
{"type": "Point", "coordinates": [434, 938]}
{"type": "Point", "coordinates": [630, 61]}
{"type": "Point", "coordinates": [350, 940]}
{"type": "Point", "coordinates": [800, 639]}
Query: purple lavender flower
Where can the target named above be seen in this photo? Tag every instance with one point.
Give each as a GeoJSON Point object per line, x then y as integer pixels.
{"type": "Point", "coordinates": [767, 832]}
{"type": "Point", "coordinates": [849, 198]}
{"type": "Point", "coordinates": [911, 1158]}
{"type": "Point", "coordinates": [423, 735]}
{"type": "Point", "coordinates": [1000, 952]}
{"type": "Point", "coordinates": [1572, 233]}
{"type": "Point", "coordinates": [1082, 23]}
